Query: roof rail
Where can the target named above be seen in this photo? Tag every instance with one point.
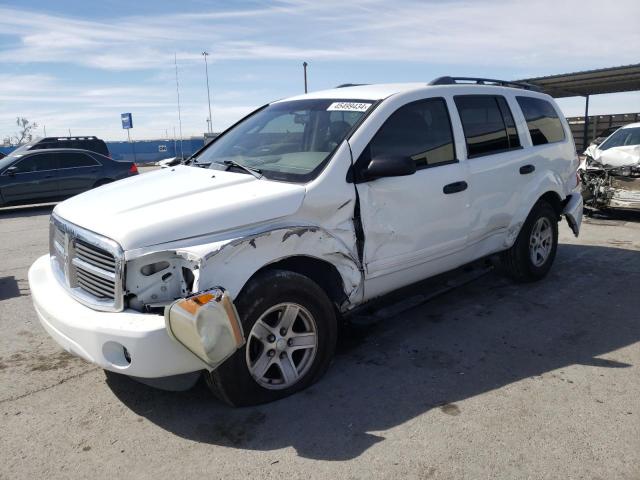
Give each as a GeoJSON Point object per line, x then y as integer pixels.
{"type": "Point", "coordinates": [345, 85]}
{"type": "Point", "coordinates": [483, 81]}
{"type": "Point", "coordinates": [79, 137]}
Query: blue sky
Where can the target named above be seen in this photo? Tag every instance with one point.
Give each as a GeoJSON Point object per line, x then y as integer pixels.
{"type": "Point", "coordinates": [78, 64]}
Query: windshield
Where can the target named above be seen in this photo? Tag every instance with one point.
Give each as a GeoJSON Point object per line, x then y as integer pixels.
{"type": "Point", "coordinates": [289, 141]}
{"type": "Point", "coordinates": [13, 156]}
{"type": "Point", "coordinates": [622, 137]}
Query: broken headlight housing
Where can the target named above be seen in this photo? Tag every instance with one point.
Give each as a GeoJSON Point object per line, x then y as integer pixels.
{"type": "Point", "coordinates": [157, 279]}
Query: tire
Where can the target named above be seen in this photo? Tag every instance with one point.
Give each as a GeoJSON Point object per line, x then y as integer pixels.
{"type": "Point", "coordinates": [102, 181]}
{"type": "Point", "coordinates": [541, 229]}
{"type": "Point", "coordinates": [269, 299]}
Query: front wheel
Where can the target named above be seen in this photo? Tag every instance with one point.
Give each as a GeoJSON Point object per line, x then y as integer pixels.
{"type": "Point", "coordinates": [290, 328]}
{"type": "Point", "coordinates": [531, 256]}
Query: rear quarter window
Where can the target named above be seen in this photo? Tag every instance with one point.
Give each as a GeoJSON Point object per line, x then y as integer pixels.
{"type": "Point", "coordinates": [542, 120]}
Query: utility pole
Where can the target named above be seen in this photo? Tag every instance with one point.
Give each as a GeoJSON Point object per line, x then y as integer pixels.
{"type": "Point", "coordinates": [206, 69]}
{"type": "Point", "coordinates": [175, 61]}
{"type": "Point", "coordinates": [304, 66]}
{"type": "Point", "coordinates": [175, 148]}
{"type": "Point", "coordinates": [44, 127]}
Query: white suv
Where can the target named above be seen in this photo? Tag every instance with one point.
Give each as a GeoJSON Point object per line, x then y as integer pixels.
{"type": "Point", "coordinates": [310, 207]}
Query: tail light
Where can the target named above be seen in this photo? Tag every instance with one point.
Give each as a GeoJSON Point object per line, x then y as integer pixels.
{"type": "Point", "coordinates": [133, 170]}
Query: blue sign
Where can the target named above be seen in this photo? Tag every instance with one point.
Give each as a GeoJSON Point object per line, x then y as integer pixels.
{"type": "Point", "coordinates": [127, 120]}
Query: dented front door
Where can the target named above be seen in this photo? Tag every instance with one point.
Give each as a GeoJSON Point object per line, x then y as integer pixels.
{"type": "Point", "coordinates": [412, 220]}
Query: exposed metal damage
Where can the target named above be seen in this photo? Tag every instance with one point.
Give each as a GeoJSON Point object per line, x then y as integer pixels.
{"type": "Point", "coordinates": [156, 279]}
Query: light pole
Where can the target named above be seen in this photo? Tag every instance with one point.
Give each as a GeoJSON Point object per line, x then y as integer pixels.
{"type": "Point", "coordinates": [206, 69]}
{"type": "Point", "coordinates": [304, 66]}
{"type": "Point", "coordinates": [175, 61]}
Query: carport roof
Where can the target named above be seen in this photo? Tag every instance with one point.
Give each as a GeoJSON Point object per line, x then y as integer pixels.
{"type": "Point", "coordinates": [590, 82]}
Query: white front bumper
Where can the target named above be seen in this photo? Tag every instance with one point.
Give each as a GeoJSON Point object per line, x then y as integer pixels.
{"type": "Point", "coordinates": [99, 337]}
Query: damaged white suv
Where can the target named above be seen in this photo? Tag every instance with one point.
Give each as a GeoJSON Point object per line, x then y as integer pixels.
{"type": "Point", "coordinates": [310, 207]}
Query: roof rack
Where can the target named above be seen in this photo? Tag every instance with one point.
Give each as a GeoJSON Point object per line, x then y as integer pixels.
{"type": "Point", "coordinates": [345, 85]}
{"type": "Point", "coordinates": [58, 139]}
{"type": "Point", "coordinates": [483, 81]}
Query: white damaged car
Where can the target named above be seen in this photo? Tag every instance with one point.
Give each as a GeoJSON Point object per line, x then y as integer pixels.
{"type": "Point", "coordinates": [311, 207]}
{"type": "Point", "coordinates": [611, 173]}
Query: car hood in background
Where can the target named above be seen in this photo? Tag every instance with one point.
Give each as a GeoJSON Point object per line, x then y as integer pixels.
{"type": "Point", "coordinates": [180, 202]}
{"type": "Point", "coordinates": [627, 156]}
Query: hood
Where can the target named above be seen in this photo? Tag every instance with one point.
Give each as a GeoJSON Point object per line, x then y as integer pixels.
{"type": "Point", "coordinates": [179, 202]}
{"type": "Point", "coordinates": [626, 156]}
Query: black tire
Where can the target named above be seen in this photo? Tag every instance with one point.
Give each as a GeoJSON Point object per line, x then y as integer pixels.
{"type": "Point", "coordinates": [101, 182]}
{"type": "Point", "coordinates": [232, 382]}
{"type": "Point", "coordinates": [517, 262]}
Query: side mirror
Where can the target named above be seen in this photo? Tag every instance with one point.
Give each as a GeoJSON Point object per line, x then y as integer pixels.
{"type": "Point", "coordinates": [390, 166]}
{"type": "Point", "coordinates": [11, 170]}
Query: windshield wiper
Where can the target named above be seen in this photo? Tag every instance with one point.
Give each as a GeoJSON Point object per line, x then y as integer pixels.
{"type": "Point", "coordinates": [253, 171]}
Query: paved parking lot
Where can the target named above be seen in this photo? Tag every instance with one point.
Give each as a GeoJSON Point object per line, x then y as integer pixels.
{"type": "Point", "coordinates": [490, 380]}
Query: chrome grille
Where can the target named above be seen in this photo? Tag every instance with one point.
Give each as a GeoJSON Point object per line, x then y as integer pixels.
{"type": "Point", "coordinates": [88, 265]}
{"type": "Point", "coordinates": [95, 256]}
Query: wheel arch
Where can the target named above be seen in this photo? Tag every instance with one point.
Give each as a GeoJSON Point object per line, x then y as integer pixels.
{"type": "Point", "coordinates": [322, 272]}
{"type": "Point", "coordinates": [548, 189]}
{"type": "Point", "coordinates": [102, 181]}
{"type": "Point", "coordinates": [307, 250]}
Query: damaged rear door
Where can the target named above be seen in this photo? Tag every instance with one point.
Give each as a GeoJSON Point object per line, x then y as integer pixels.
{"type": "Point", "coordinates": [411, 220]}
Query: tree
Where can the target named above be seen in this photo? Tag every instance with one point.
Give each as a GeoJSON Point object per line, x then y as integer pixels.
{"type": "Point", "coordinates": [26, 131]}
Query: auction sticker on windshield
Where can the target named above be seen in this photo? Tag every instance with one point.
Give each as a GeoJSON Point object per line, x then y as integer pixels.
{"type": "Point", "coordinates": [349, 106]}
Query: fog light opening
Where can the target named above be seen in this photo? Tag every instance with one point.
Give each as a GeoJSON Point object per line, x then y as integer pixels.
{"type": "Point", "coordinates": [116, 354]}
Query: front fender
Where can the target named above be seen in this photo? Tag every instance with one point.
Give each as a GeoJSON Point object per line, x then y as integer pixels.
{"type": "Point", "coordinates": [232, 263]}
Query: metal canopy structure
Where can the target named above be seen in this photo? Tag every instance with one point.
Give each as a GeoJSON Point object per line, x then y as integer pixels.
{"type": "Point", "coordinates": [590, 82]}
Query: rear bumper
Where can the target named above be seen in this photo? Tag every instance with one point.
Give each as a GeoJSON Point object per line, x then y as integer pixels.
{"type": "Point", "coordinates": [102, 337]}
{"type": "Point", "coordinates": [573, 211]}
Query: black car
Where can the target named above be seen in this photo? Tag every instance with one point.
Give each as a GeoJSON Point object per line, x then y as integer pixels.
{"type": "Point", "coordinates": [91, 143]}
{"type": "Point", "coordinates": [30, 175]}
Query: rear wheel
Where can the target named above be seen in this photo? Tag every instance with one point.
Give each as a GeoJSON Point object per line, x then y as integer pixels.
{"type": "Point", "coordinates": [290, 327]}
{"type": "Point", "coordinates": [531, 256]}
{"type": "Point", "coordinates": [101, 182]}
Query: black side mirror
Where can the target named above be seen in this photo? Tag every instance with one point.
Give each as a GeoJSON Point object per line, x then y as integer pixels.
{"type": "Point", "coordinates": [390, 166]}
{"type": "Point", "coordinates": [11, 170]}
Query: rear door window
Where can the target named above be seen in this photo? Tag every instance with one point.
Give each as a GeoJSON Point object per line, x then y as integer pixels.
{"type": "Point", "coordinates": [75, 160]}
{"type": "Point", "coordinates": [37, 163]}
{"type": "Point", "coordinates": [542, 120]}
{"type": "Point", "coordinates": [420, 130]}
{"type": "Point", "coordinates": [487, 123]}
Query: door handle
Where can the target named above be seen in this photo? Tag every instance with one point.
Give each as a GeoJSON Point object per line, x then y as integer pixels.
{"type": "Point", "coordinates": [455, 187]}
{"type": "Point", "coordinates": [525, 169]}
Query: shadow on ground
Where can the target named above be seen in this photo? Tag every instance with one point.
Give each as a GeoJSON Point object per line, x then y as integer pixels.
{"type": "Point", "coordinates": [478, 338]}
{"type": "Point", "coordinates": [612, 215]}
{"type": "Point", "coordinates": [9, 288]}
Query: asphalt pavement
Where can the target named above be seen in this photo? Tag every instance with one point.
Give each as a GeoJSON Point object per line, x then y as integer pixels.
{"type": "Point", "coordinates": [488, 380]}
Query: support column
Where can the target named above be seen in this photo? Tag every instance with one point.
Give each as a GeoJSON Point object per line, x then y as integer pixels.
{"type": "Point", "coordinates": [585, 138]}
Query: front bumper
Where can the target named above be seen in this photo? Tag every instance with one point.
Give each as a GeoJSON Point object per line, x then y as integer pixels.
{"type": "Point", "coordinates": [102, 337]}
{"type": "Point", "coordinates": [625, 193]}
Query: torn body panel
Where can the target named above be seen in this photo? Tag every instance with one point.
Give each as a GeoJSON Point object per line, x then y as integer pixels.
{"type": "Point", "coordinates": [234, 262]}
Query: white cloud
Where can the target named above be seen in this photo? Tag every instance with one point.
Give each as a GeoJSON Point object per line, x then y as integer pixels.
{"type": "Point", "coordinates": [525, 34]}
{"type": "Point", "coordinates": [527, 38]}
